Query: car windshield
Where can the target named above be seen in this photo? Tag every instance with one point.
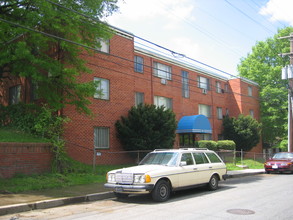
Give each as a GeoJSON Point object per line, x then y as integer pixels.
{"type": "Point", "coordinates": [283, 156]}
{"type": "Point", "coordinates": [160, 158]}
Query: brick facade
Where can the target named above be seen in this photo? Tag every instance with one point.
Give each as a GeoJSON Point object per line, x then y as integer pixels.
{"type": "Point", "coordinates": [117, 67]}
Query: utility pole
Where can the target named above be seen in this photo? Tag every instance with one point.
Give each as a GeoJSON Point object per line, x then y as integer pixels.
{"type": "Point", "coordinates": [287, 73]}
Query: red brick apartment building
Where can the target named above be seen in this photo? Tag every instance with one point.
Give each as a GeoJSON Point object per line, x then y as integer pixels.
{"type": "Point", "coordinates": [130, 75]}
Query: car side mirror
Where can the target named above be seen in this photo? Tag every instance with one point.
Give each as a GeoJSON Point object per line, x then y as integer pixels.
{"type": "Point", "coordinates": [183, 163]}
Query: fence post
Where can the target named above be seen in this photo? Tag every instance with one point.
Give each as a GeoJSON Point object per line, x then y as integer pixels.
{"type": "Point", "coordinates": [94, 160]}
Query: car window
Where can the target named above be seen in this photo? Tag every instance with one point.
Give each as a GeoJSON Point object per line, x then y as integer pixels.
{"type": "Point", "coordinates": [163, 158]}
{"type": "Point", "coordinates": [200, 158]}
{"type": "Point", "coordinates": [213, 158]}
{"type": "Point", "coordinates": [187, 157]}
{"type": "Point", "coordinates": [283, 155]}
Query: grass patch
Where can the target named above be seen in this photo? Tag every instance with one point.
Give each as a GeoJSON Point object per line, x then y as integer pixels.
{"type": "Point", "coordinates": [14, 135]}
{"type": "Point", "coordinates": [251, 164]}
{"type": "Point", "coordinates": [24, 183]}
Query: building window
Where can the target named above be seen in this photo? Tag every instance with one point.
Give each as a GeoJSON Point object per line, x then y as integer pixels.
{"type": "Point", "coordinates": [34, 90]}
{"type": "Point", "coordinates": [101, 137]}
{"type": "Point", "coordinates": [219, 113]}
{"type": "Point", "coordinates": [14, 94]}
{"type": "Point", "coordinates": [227, 112]}
{"type": "Point", "coordinates": [251, 113]}
{"type": "Point", "coordinates": [218, 87]}
{"type": "Point", "coordinates": [138, 64]}
{"type": "Point", "coordinates": [249, 91]}
{"type": "Point", "coordinates": [205, 137]}
{"type": "Point", "coordinates": [226, 88]}
{"type": "Point", "coordinates": [185, 84]}
{"type": "Point", "coordinates": [163, 71]}
{"type": "Point", "coordinates": [203, 82]}
{"type": "Point", "coordinates": [163, 101]}
{"type": "Point", "coordinates": [103, 45]}
{"type": "Point", "coordinates": [102, 89]}
{"type": "Point", "coordinates": [204, 110]}
{"type": "Point", "coordinates": [139, 98]}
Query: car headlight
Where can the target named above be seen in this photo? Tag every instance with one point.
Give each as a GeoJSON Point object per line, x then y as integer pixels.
{"type": "Point", "coordinates": [284, 164]}
{"type": "Point", "coordinates": [111, 178]}
{"type": "Point", "coordinates": [141, 178]}
{"type": "Point", "coordinates": [268, 163]}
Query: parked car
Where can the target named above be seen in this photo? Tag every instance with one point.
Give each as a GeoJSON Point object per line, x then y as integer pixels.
{"type": "Point", "coordinates": [280, 162]}
{"type": "Point", "coordinates": [164, 171]}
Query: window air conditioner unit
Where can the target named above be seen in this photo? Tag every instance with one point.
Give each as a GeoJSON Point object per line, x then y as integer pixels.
{"type": "Point", "coordinates": [204, 91]}
{"type": "Point", "coordinates": [164, 81]}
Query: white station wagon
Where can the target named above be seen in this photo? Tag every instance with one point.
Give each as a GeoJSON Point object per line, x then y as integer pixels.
{"type": "Point", "coordinates": [164, 171]}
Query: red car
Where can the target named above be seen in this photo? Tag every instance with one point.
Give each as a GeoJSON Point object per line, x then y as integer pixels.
{"type": "Point", "coordinates": [281, 162]}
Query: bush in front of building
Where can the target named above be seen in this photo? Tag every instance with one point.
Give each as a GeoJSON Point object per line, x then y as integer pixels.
{"type": "Point", "coordinates": [226, 145]}
{"type": "Point", "coordinates": [211, 145]}
{"type": "Point", "coordinates": [147, 127]}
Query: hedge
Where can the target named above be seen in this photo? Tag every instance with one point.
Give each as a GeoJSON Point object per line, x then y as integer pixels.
{"type": "Point", "coordinates": [220, 145]}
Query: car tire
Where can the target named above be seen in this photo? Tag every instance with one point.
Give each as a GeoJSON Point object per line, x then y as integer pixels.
{"type": "Point", "coordinates": [161, 191]}
{"type": "Point", "coordinates": [213, 183]}
{"type": "Point", "coordinates": [120, 195]}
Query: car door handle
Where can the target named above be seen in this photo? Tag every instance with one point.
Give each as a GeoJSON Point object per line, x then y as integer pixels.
{"type": "Point", "coordinates": [210, 167]}
{"type": "Point", "coordinates": [194, 168]}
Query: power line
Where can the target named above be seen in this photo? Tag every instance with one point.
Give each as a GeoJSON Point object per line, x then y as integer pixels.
{"type": "Point", "coordinates": [246, 15]}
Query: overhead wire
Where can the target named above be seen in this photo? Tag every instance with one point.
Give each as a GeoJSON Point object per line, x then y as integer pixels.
{"type": "Point", "coordinates": [249, 17]}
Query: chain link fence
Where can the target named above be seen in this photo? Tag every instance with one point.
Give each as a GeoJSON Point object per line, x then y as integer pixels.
{"type": "Point", "coordinates": [110, 157]}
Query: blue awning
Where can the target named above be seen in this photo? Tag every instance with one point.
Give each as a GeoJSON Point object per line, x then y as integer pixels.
{"type": "Point", "coordinates": [194, 124]}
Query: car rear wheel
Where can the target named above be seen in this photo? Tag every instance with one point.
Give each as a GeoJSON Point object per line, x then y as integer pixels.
{"type": "Point", "coordinates": [162, 191]}
{"type": "Point", "coordinates": [213, 183]}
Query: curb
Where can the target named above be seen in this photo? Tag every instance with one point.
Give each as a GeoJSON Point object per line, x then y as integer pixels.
{"type": "Point", "coordinates": [45, 204]}
{"type": "Point", "coordinates": [238, 175]}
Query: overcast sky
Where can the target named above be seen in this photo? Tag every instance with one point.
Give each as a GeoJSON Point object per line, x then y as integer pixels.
{"type": "Point", "coordinates": [215, 32]}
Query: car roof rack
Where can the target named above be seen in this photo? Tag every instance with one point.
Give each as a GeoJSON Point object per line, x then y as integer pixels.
{"type": "Point", "coordinates": [193, 148]}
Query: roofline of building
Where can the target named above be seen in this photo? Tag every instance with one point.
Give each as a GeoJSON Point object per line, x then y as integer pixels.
{"type": "Point", "coordinates": [158, 56]}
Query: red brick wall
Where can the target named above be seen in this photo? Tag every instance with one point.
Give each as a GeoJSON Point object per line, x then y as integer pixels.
{"type": "Point", "coordinates": [24, 158]}
{"type": "Point", "coordinates": [124, 82]}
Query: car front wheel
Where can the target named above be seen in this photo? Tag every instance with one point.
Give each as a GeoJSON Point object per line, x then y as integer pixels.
{"type": "Point", "coordinates": [213, 183]}
{"type": "Point", "coordinates": [162, 191]}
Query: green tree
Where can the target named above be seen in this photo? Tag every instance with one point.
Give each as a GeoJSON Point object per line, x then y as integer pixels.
{"type": "Point", "coordinates": [244, 131]}
{"type": "Point", "coordinates": [42, 40]}
{"type": "Point", "coordinates": [263, 65]}
{"type": "Point", "coordinates": [147, 127]}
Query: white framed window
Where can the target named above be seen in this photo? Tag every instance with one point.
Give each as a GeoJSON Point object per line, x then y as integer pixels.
{"type": "Point", "coordinates": [227, 112]}
{"type": "Point", "coordinates": [102, 89]}
{"type": "Point", "coordinates": [219, 113]}
{"type": "Point", "coordinates": [218, 87]}
{"type": "Point", "coordinates": [139, 98]}
{"type": "Point", "coordinates": [138, 64]}
{"type": "Point", "coordinates": [104, 45]}
{"type": "Point", "coordinates": [163, 101]}
{"type": "Point", "coordinates": [204, 110]}
{"type": "Point", "coordinates": [249, 91]}
{"type": "Point", "coordinates": [14, 94]}
{"type": "Point", "coordinates": [101, 137]}
{"type": "Point", "coordinates": [185, 84]}
{"type": "Point", "coordinates": [203, 82]}
{"type": "Point", "coordinates": [163, 71]}
{"type": "Point", "coordinates": [251, 113]}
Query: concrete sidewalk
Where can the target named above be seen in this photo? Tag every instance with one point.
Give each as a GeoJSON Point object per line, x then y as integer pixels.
{"type": "Point", "coordinates": [14, 203]}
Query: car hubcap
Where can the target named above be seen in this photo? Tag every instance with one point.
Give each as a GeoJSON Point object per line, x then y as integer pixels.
{"type": "Point", "coordinates": [163, 191]}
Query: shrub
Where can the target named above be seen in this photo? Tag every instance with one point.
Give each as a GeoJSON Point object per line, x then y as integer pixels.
{"type": "Point", "coordinates": [147, 127]}
{"type": "Point", "coordinates": [226, 145]}
{"type": "Point", "coordinates": [211, 145]}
